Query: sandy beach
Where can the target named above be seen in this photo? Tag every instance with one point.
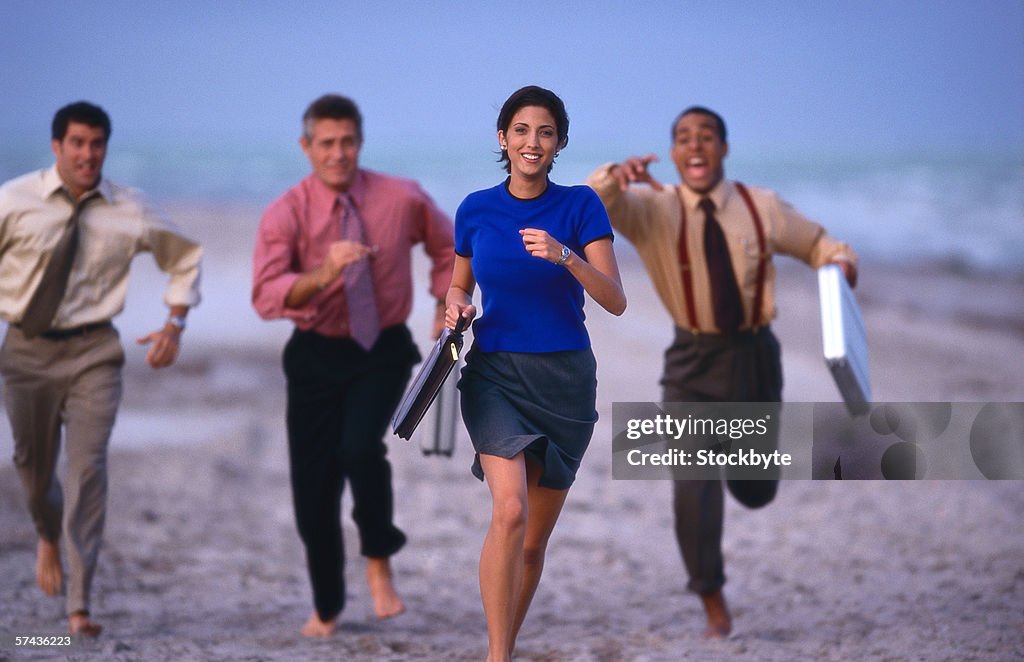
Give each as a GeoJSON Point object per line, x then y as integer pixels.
{"type": "Point", "coordinates": [201, 560]}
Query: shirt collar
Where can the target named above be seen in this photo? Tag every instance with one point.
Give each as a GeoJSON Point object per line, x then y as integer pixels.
{"type": "Point", "coordinates": [52, 183]}
{"type": "Point", "coordinates": [357, 191]}
{"type": "Point", "coordinates": [720, 195]}
{"type": "Point", "coordinates": [329, 197]}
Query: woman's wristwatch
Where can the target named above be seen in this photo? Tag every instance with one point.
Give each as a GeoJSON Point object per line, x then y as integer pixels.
{"type": "Point", "coordinates": [565, 255]}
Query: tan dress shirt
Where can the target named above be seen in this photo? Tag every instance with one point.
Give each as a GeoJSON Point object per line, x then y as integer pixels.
{"type": "Point", "coordinates": [34, 209]}
{"type": "Point", "coordinates": [650, 220]}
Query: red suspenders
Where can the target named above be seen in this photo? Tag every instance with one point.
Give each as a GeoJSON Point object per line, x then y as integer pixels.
{"type": "Point", "coordinates": [684, 260]}
{"type": "Point", "coordinates": [684, 265]}
{"type": "Point", "coordinates": [762, 256]}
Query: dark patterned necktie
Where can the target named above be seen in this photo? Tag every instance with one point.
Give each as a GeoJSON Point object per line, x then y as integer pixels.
{"type": "Point", "coordinates": [46, 299]}
{"type": "Point", "coordinates": [363, 320]}
{"type": "Point", "coordinates": [725, 293]}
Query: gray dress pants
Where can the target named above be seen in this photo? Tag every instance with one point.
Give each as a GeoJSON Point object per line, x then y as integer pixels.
{"type": "Point", "coordinates": [745, 367]}
{"type": "Point", "coordinates": [72, 383]}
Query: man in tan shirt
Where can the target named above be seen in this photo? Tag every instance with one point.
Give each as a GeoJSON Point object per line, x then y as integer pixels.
{"type": "Point", "coordinates": [724, 349]}
{"type": "Point", "coordinates": [61, 360]}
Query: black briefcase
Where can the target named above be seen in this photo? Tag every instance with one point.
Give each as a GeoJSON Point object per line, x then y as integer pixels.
{"type": "Point", "coordinates": [428, 382]}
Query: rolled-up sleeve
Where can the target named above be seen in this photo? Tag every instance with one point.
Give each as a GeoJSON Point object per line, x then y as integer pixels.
{"type": "Point", "coordinates": [175, 254]}
{"type": "Point", "coordinates": [439, 244]}
{"type": "Point", "coordinates": [630, 211]}
{"type": "Point", "coordinates": [273, 264]}
{"type": "Point", "coordinates": [802, 238]}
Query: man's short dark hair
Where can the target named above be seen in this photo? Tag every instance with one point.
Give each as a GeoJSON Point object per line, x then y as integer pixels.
{"type": "Point", "coordinates": [701, 110]}
{"type": "Point", "coordinates": [332, 107]}
{"type": "Point", "coordinates": [82, 112]}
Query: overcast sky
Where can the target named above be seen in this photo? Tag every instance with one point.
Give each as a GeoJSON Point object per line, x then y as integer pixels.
{"type": "Point", "coordinates": [790, 76]}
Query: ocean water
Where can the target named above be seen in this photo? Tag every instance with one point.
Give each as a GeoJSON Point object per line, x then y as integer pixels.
{"type": "Point", "coordinates": [964, 211]}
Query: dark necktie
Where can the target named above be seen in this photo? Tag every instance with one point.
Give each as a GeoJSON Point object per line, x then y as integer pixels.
{"type": "Point", "coordinates": [363, 321]}
{"type": "Point", "coordinates": [725, 293]}
{"type": "Point", "coordinates": [46, 299]}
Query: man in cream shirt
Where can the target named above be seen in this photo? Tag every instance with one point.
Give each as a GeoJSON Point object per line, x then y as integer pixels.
{"type": "Point", "coordinates": [718, 285]}
{"type": "Point", "coordinates": [61, 367]}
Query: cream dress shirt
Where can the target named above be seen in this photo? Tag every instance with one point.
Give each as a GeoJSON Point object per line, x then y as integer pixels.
{"type": "Point", "coordinates": [650, 220]}
{"type": "Point", "coordinates": [34, 210]}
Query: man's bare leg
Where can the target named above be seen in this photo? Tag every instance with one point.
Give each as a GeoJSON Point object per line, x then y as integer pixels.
{"type": "Point", "coordinates": [386, 603]}
{"type": "Point", "coordinates": [719, 619]}
{"type": "Point", "coordinates": [314, 627]}
{"type": "Point", "coordinates": [49, 571]}
{"type": "Point", "coordinates": [80, 623]}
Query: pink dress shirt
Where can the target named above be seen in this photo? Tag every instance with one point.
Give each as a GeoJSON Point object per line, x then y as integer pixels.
{"type": "Point", "coordinates": [297, 228]}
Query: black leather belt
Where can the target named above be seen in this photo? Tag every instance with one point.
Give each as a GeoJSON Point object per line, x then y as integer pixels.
{"type": "Point", "coordinates": [64, 334]}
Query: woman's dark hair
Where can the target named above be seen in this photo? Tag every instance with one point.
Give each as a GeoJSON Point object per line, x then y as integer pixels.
{"type": "Point", "coordinates": [531, 95]}
{"type": "Point", "coordinates": [82, 112]}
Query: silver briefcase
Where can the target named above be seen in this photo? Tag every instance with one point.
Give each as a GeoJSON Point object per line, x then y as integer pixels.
{"type": "Point", "coordinates": [844, 339]}
{"type": "Point", "coordinates": [438, 438]}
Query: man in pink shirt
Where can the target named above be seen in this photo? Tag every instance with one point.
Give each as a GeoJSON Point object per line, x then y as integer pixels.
{"type": "Point", "coordinates": [333, 254]}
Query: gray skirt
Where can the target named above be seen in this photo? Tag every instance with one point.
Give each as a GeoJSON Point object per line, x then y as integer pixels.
{"type": "Point", "coordinates": [541, 404]}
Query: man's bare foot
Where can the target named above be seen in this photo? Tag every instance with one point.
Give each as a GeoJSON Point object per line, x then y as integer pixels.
{"type": "Point", "coordinates": [49, 573]}
{"type": "Point", "coordinates": [386, 603]}
{"type": "Point", "coordinates": [719, 619]}
{"type": "Point", "coordinates": [80, 623]}
{"type": "Point", "coordinates": [314, 627]}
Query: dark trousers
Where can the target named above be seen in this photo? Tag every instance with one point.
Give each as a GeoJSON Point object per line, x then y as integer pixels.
{"type": "Point", "coordinates": [340, 402]}
{"type": "Point", "coordinates": [746, 367]}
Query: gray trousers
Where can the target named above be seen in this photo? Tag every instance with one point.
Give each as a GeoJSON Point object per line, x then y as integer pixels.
{"type": "Point", "coordinates": [746, 367]}
{"type": "Point", "coordinates": [74, 383]}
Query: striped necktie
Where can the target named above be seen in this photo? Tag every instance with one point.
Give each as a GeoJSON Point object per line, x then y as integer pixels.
{"type": "Point", "coordinates": [363, 320]}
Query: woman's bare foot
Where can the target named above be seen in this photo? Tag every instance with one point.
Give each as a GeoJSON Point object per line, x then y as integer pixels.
{"type": "Point", "coordinates": [719, 620]}
{"type": "Point", "coordinates": [80, 623]}
{"type": "Point", "coordinates": [314, 627]}
{"type": "Point", "coordinates": [386, 603]}
{"type": "Point", "coordinates": [49, 573]}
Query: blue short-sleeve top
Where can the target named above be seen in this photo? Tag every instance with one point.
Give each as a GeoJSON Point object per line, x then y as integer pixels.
{"type": "Point", "coordinates": [528, 303]}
